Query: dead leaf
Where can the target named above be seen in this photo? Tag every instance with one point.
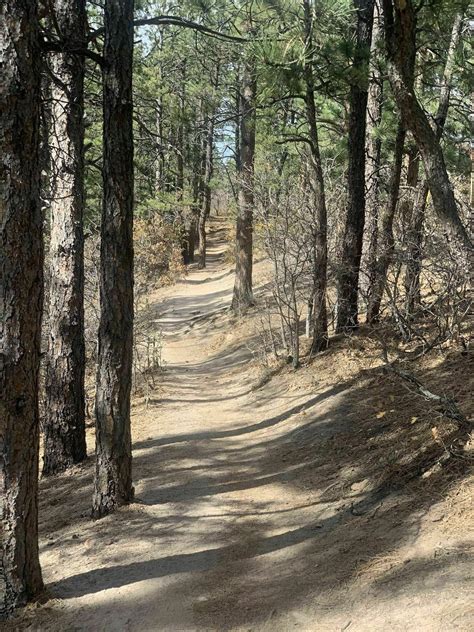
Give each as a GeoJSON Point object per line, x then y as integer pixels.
{"type": "Point", "coordinates": [435, 433]}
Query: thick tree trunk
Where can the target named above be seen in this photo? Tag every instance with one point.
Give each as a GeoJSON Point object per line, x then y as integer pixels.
{"type": "Point", "coordinates": [386, 232]}
{"type": "Point", "coordinates": [373, 152]}
{"type": "Point", "coordinates": [400, 40]}
{"type": "Point", "coordinates": [64, 423]}
{"type": "Point", "coordinates": [415, 233]}
{"type": "Point", "coordinates": [113, 480]}
{"type": "Point", "coordinates": [243, 291]}
{"type": "Point", "coordinates": [351, 251]}
{"type": "Point", "coordinates": [319, 322]}
{"type": "Point", "coordinates": [21, 273]}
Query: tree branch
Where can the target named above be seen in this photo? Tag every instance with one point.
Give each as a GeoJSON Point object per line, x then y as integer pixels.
{"type": "Point", "coordinates": [172, 20]}
{"type": "Point", "coordinates": [62, 47]}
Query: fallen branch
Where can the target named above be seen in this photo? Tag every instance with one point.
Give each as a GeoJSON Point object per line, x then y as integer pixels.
{"type": "Point", "coordinates": [447, 405]}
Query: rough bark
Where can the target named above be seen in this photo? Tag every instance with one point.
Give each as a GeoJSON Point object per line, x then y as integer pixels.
{"type": "Point", "coordinates": [243, 292]}
{"type": "Point", "coordinates": [415, 233]}
{"type": "Point", "coordinates": [113, 480]}
{"type": "Point", "coordinates": [21, 274]}
{"type": "Point", "coordinates": [238, 121]}
{"type": "Point", "coordinates": [319, 322]}
{"type": "Point", "coordinates": [351, 250]}
{"type": "Point", "coordinates": [400, 41]}
{"type": "Point", "coordinates": [386, 231]}
{"type": "Point", "coordinates": [373, 152]}
{"type": "Point", "coordinates": [64, 423]}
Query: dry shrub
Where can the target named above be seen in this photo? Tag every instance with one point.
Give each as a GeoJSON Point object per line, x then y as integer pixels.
{"type": "Point", "coordinates": [158, 259]}
{"type": "Point", "coordinates": [157, 262]}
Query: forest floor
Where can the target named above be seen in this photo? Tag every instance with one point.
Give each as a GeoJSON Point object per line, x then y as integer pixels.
{"type": "Point", "coordinates": [266, 502]}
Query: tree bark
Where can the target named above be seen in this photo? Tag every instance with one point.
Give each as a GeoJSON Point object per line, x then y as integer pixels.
{"type": "Point", "coordinates": [415, 249]}
{"type": "Point", "coordinates": [415, 233]}
{"type": "Point", "coordinates": [351, 251]}
{"type": "Point", "coordinates": [180, 166]}
{"type": "Point", "coordinates": [64, 423]}
{"type": "Point", "coordinates": [206, 197]}
{"type": "Point", "coordinates": [386, 232]}
{"type": "Point", "coordinates": [400, 42]}
{"type": "Point", "coordinates": [243, 292]}
{"type": "Point", "coordinates": [197, 182]}
{"type": "Point", "coordinates": [373, 152]}
{"type": "Point", "coordinates": [319, 322]}
{"type": "Point", "coordinates": [160, 156]}
{"type": "Point", "coordinates": [208, 173]}
{"type": "Point", "coordinates": [238, 121]}
{"type": "Point", "coordinates": [113, 480]}
{"type": "Point", "coordinates": [21, 273]}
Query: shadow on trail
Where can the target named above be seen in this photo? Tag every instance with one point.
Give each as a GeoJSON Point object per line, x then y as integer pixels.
{"type": "Point", "coordinates": [212, 279]}
{"type": "Point", "coordinates": [235, 432]}
{"type": "Point", "coordinates": [101, 579]}
{"type": "Point", "coordinates": [350, 452]}
{"type": "Point", "coordinates": [344, 527]}
{"type": "Point", "coordinates": [181, 312]}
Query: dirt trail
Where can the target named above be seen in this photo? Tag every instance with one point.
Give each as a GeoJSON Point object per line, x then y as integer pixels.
{"type": "Point", "coordinates": [232, 528]}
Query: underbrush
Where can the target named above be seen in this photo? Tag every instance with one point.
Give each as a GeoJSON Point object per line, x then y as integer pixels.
{"type": "Point", "coordinates": [158, 263]}
{"type": "Point", "coordinates": [408, 392]}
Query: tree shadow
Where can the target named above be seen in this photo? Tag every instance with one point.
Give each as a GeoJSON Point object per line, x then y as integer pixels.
{"type": "Point", "coordinates": [352, 450]}
{"type": "Point", "coordinates": [250, 428]}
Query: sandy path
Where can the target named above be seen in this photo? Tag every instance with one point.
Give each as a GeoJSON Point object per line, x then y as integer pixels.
{"type": "Point", "coordinates": [225, 532]}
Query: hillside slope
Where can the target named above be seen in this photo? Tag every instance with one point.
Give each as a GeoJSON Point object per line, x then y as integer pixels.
{"type": "Point", "coordinates": [295, 505]}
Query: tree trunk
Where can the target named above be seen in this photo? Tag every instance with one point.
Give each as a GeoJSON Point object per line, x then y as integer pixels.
{"type": "Point", "coordinates": [415, 250]}
{"type": "Point", "coordinates": [21, 272]}
{"type": "Point", "coordinates": [160, 157]}
{"type": "Point", "coordinates": [193, 235]}
{"type": "Point", "coordinates": [319, 322]}
{"type": "Point", "coordinates": [206, 198]}
{"type": "Point", "coordinates": [208, 173]}
{"type": "Point", "coordinates": [373, 152]}
{"type": "Point", "coordinates": [113, 480]}
{"type": "Point", "coordinates": [415, 235]}
{"type": "Point", "coordinates": [160, 154]}
{"type": "Point", "coordinates": [386, 233]}
{"type": "Point", "coordinates": [400, 41]}
{"type": "Point", "coordinates": [238, 121]}
{"type": "Point", "coordinates": [180, 167]}
{"type": "Point", "coordinates": [243, 292]}
{"type": "Point", "coordinates": [64, 423]}
{"type": "Point", "coordinates": [351, 251]}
